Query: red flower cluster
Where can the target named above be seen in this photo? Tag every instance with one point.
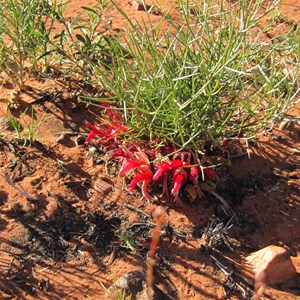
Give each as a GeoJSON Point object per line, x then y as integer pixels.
{"type": "Point", "coordinates": [171, 173]}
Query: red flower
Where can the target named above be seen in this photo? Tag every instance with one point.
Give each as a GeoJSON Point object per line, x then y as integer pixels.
{"type": "Point", "coordinates": [179, 177]}
{"type": "Point", "coordinates": [131, 164]}
{"type": "Point", "coordinates": [144, 173]}
{"type": "Point", "coordinates": [210, 174]}
{"type": "Point", "coordinates": [166, 167]}
{"type": "Point", "coordinates": [107, 132]}
{"type": "Point", "coordinates": [93, 133]}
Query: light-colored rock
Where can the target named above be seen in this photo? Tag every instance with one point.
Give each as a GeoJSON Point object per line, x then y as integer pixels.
{"type": "Point", "coordinates": [134, 284]}
{"type": "Point", "coordinates": [103, 187]}
{"type": "Point", "coordinates": [272, 267]}
{"type": "Point", "coordinates": [141, 6]}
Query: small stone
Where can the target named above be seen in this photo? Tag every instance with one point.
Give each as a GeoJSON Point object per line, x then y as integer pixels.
{"type": "Point", "coordinates": [103, 187]}
{"type": "Point", "coordinates": [134, 284]}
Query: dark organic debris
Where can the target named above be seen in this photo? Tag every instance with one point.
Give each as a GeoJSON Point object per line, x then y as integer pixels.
{"type": "Point", "coordinates": [216, 233]}
{"type": "Point", "coordinates": [59, 238]}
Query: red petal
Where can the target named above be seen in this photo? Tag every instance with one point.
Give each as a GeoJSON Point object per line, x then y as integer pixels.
{"type": "Point", "coordinates": [88, 125]}
{"type": "Point", "coordinates": [107, 134]}
{"type": "Point", "coordinates": [93, 133]}
{"type": "Point", "coordinates": [161, 169]}
{"type": "Point", "coordinates": [176, 163]}
{"type": "Point", "coordinates": [145, 192]}
{"type": "Point", "coordinates": [165, 168]}
{"type": "Point", "coordinates": [179, 177]}
{"type": "Point", "coordinates": [194, 173]}
{"type": "Point", "coordinates": [119, 126]}
{"type": "Point", "coordinates": [130, 165]}
{"type": "Point", "coordinates": [136, 179]}
{"type": "Point", "coordinates": [142, 157]}
{"type": "Point", "coordinates": [210, 174]}
{"type": "Point", "coordinates": [144, 174]}
{"type": "Point", "coordinates": [177, 184]}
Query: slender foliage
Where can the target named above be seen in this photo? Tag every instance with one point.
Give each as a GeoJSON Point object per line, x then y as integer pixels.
{"type": "Point", "coordinates": [209, 75]}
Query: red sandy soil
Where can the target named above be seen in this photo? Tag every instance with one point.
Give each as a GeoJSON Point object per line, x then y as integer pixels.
{"type": "Point", "coordinates": [58, 241]}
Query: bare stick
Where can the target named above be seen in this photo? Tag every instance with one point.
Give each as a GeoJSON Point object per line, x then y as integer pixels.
{"type": "Point", "coordinates": [20, 190]}
{"type": "Point", "coordinates": [159, 214]}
